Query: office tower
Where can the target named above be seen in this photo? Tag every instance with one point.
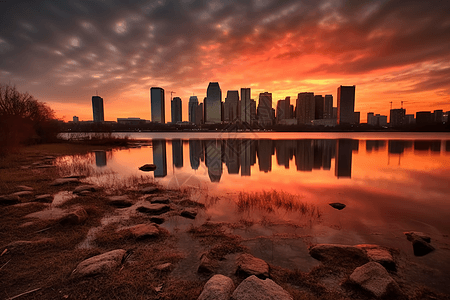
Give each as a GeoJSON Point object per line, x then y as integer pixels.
{"type": "Point", "coordinates": [305, 108]}
{"type": "Point", "coordinates": [177, 153]}
{"type": "Point", "coordinates": [97, 109]}
{"type": "Point", "coordinates": [213, 159]}
{"type": "Point", "coordinates": [409, 119]}
{"type": "Point", "coordinates": [280, 115]}
{"type": "Point", "coordinates": [252, 111]}
{"type": "Point", "coordinates": [264, 111]}
{"type": "Point", "coordinates": [397, 117]}
{"type": "Point", "coordinates": [345, 105]}
{"type": "Point", "coordinates": [157, 105]}
{"type": "Point", "coordinates": [371, 119]}
{"type": "Point", "coordinates": [287, 108]}
{"type": "Point", "coordinates": [357, 116]}
{"type": "Point", "coordinates": [424, 118]}
{"type": "Point", "coordinates": [328, 107]}
{"type": "Point", "coordinates": [195, 151]}
{"type": "Point", "coordinates": [192, 110]}
{"type": "Point", "coordinates": [231, 107]}
{"type": "Point", "coordinates": [318, 107]}
{"type": "Point", "coordinates": [438, 116]}
{"type": "Point", "coordinates": [334, 113]}
{"type": "Point", "coordinates": [343, 161]}
{"type": "Point", "coordinates": [245, 105]}
{"type": "Point", "coordinates": [176, 109]}
{"type": "Point", "coordinates": [159, 158]}
{"type": "Point", "coordinates": [213, 104]}
{"type": "Point", "coordinates": [199, 116]}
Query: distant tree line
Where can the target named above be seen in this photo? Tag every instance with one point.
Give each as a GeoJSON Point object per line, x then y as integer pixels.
{"type": "Point", "coordinates": [24, 120]}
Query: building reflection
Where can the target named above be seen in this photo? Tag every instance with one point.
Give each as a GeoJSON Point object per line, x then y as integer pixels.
{"type": "Point", "coordinates": [304, 155]}
{"type": "Point", "coordinates": [398, 146]}
{"type": "Point", "coordinates": [195, 152]}
{"type": "Point", "coordinates": [285, 152]}
{"type": "Point", "coordinates": [177, 153]}
{"type": "Point", "coordinates": [232, 157]}
{"type": "Point", "coordinates": [343, 161]}
{"type": "Point", "coordinates": [213, 159]}
{"type": "Point", "coordinates": [423, 145]}
{"type": "Point", "coordinates": [247, 156]}
{"type": "Point", "coordinates": [100, 158]}
{"type": "Point", "coordinates": [265, 152]}
{"type": "Point", "coordinates": [447, 146]}
{"type": "Point", "coordinates": [375, 145]}
{"type": "Point", "coordinates": [159, 158]}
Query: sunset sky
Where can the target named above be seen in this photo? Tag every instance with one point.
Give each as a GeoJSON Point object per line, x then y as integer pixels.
{"type": "Point", "coordinates": [62, 52]}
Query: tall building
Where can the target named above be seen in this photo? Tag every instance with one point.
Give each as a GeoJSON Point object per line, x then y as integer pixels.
{"type": "Point", "coordinates": [200, 114]}
{"type": "Point", "coordinates": [371, 119]}
{"type": "Point", "coordinates": [397, 117]}
{"type": "Point", "coordinates": [438, 116]}
{"type": "Point", "coordinates": [283, 111]}
{"type": "Point", "coordinates": [97, 109]}
{"type": "Point", "coordinates": [192, 109]}
{"type": "Point", "coordinates": [245, 105]}
{"type": "Point", "coordinates": [264, 111]}
{"type": "Point", "coordinates": [231, 107]}
{"type": "Point", "coordinates": [424, 118]}
{"type": "Point", "coordinates": [318, 107]}
{"type": "Point", "coordinates": [213, 104]}
{"type": "Point", "coordinates": [357, 115]}
{"type": "Point", "coordinates": [345, 105]}
{"type": "Point", "coordinates": [176, 109]}
{"type": "Point", "coordinates": [157, 105]}
{"type": "Point", "coordinates": [328, 107]}
{"type": "Point", "coordinates": [305, 108]}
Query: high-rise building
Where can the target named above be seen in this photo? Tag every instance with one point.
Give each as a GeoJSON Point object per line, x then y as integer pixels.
{"type": "Point", "coordinates": [157, 105]}
{"type": "Point", "coordinates": [328, 107]}
{"type": "Point", "coordinates": [305, 108]}
{"type": "Point", "coordinates": [283, 111]}
{"type": "Point", "coordinates": [371, 119]}
{"type": "Point", "coordinates": [424, 118]}
{"type": "Point", "coordinates": [213, 104]}
{"type": "Point", "coordinates": [318, 107]}
{"type": "Point", "coordinates": [397, 117]}
{"type": "Point", "coordinates": [231, 107]}
{"type": "Point", "coordinates": [245, 105]}
{"type": "Point", "coordinates": [357, 115]}
{"type": "Point", "coordinates": [438, 116]}
{"type": "Point", "coordinates": [176, 109]}
{"type": "Point", "coordinates": [345, 105]}
{"type": "Point", "coordinates": [200, 114]}
{"type": "Point", "coordinates": [192, 110]}
{"type": "Point", "coordinates": [264, 111]}
{"type": "Point", "coordinates": [252, 111]}
{"type": "Point", "coordinates": [97, 109]}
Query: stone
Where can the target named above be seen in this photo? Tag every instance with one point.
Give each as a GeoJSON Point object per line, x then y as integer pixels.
{"type": "Point", "coordinates": [63, 181]}
{"type": "Point", "coordinates": [21, 246]}
{"type": "Point", "coordinates": [248, 265]}
{"type": "Point", "coordinates": [421, 247]}
{"type": "Point", "coordinates": [83, 188]}
{"type": "Point", "coordinates": [255, 288]}
{"type": "Point", "coordinates": [21, 194]}
{"type": "Point", "coordinates": [334, 252]}
{"type": "Point", "coordinates": [412, 235]}
{"type": "Point", "coordinates": [99, 264]}
{"type": "Point", "coordinates": [143, 231]}
{"type": "Point", "coordinates": [25, 188]}
{"type": "Point", "coordinates": [189, 202]}
{"type": "Point", "coordinates": [380, 255]}
{"type": "Point", "coordinates": [148, 167]}
{"type": "Point", "coordinates": [119, 201]}
{"type": "Point", "coordinates": [189, 213]}
{"type": "Point", "coordinates": [45, 166]}
{"type": "Point", "coordinates": [74, 217]}
{"type": "Point", "coordinates": [374, 278]}
{"type": "Point", "coordinates": [218, 287]}
{"type": "Point", "coordinates": [157, 220]}
{"type": "Point", "coordinates": [44, 198]}
{"type": "Point", "coordinates": [161, 200]}
{"type": "Point", "coordinates": [207, 265]}
{"type": "Point", "coordinates": [337, 205]}
{"type": "Point", "coordinates": [149, 190]}
{"type": "Point", "coordinates": [153, 209]}
{"type": "Point", "coordinates": [164, 267]}
{"type": "Point", "coordinates": [9, 200]}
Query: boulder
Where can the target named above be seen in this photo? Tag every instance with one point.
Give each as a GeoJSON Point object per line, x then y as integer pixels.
{"type": "Point", "coordinates": [189, 213]}
{"type": "Point", "coordinates": [157, 220]}
{"type": "Point", "coordinates": [421, 247]}
{"type": "Point", "coordinates": [119, 201]}
{"type": "Point", "coordinates": [74, 217]}
{"type": "Point", "coordinates": [161, 200]}
{"type": "Point", "coordinates": [83, 188]}
{"type": "Point", "coordinates": [379, 254]}
{"type": "Point", "coordinates": [63, 181]}
{"type": "Point", "coordinates": [99, 264]}
{"type": "Point", "coordinates": [164, 267]}
{"type": "Point", "coordinates": [255, 288]}
{"type": "Point", "coordinates": [412, 235]}
{"type": "Point", "coordinates": [44, 198]}
{"type": "Point", "coordinates": [337, 205]}
{"type": "Point", "coordinates": [148, 167]}
{"type": "Point", "coordinates": [333, 253]}
{"type": "Point", "coordinates": [149, 190]}
{"type": "Point", "coordinates": [218, 287]}
{"type": "Point", "coordinates": [22, 246]}
{"type": "Point", "coordinates": [189, 202]}
{"type": "Point", "coordinates": [374, 278]}
{"type": "Point", "coordinates": [143, 231]}
{"type": "Point", "coordinates": [153, 209]}
{"type": "Point", "coordinates": [207, 265]}
{"type": "Point", "coordinates": [248, 265]}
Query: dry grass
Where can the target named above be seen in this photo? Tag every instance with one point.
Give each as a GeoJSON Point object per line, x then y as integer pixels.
{"type": "Point", "coordinates": [99, 138]}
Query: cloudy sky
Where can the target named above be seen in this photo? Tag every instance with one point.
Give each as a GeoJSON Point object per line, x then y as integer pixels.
{"type": "Point", "coordinates": [63, 52]}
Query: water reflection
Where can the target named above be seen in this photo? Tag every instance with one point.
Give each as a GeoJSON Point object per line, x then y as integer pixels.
{"type": "Point", "coordinates": [100, 158]}
{"type": "Point", "coordinates": [159, 158]}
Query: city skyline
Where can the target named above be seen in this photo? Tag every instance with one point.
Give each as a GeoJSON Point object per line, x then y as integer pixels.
{"type": "Point", "coordinates": [61, 53]}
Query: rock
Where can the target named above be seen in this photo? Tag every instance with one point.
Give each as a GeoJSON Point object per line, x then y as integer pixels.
{"type": "Point", "coordinates": [333, 253]}
{"type": "Point", "coordinates": [412, 235]}
{"type": "Point", "coordinates": [157, 220]}
{"type": "Point", "coordinates": [45, 166]}
{"type": "Point", "coordinates": [99, 264]}
{"type": "Point", "coordinates": [21, 194]}
{"type": "Point", "coordinates": [9, 200]}
{"type": "Point", "coordinates": [25, 188]}
{"type": "Point", "coordinates": [44, 198]}
{"type": "Point", "coordinates": [21, 246]}
{"type": "Point", "coordinates": [189, 213]}
{"type": "Point", "coordinates": [248, 265]}
{"type": "Point", "coordinates": [148, 167]}
{"type": "Point", "coordinates": [218, 287]}
{"type": "Point", "coordinates": [337, 205]}
{"type": "Point", "coordinates": [255, 288]}
{"type": "Point", "coordinates": [161, 200]}
{"type": "Point", "coordinates": [153, 209]}
{"type": "Point", "coordinates": [189, 202]}
{"type": "Point", "coordinates": [149, 190]}
{"type": "Point", "coordinates": [164, 267]}
{"type": "Point", "coordinates": [74, 217]}
{"type": "Point", "coordinates": [120, 201]}
{"type": "Point", "coordinates": [143, 231]}
{"type": "Point", "coordinates": [421, 247]}
{"type": "Point", "coordinates": [374, 278]}
{"type": "Point", "coordinates": [62, 181]}
{"type": "Point", "coordinates": [82, 188]}
{"type": "Point", "coordinates": [207, 265]}
{"type": "Point", "coordinates": [379, 254]}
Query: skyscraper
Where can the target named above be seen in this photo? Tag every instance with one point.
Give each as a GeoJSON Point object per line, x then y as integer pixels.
{"type": "Point", "coordinates": [397, 117]}
{"type": "Point", "coordinates": [345, 105]}
{"type": "Point", "coordinates": [231, 107]}
{"type": "Point", "coordinates": [176, 109]}
{"type": "Point", "coordinates": [193, 104]}
{"type": "Point", "coordinates": [97, 109]}
{"type": "Point", "coordinates": [157, 105]}
{"type": "Point", "coordinates": [213, 104]}
{"type": "Point", "coordinates": [245, 105]}
{"type": "Point", "coordinates": [264, 111]}
{"type": "Point", "coordinates": [318, 107]}
{"type": "Point", "coordinates": [328, 107]}
{"type": "Point", "coordinates": [305, 108]}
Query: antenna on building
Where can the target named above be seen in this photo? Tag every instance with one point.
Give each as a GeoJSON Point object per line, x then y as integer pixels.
{"type": "Point", "coordinates": [391, 104]}
{"type": "Point", "coordinates": [171, 92]}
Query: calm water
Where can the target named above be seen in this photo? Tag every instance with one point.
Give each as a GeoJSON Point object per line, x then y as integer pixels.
{"type": "Point", "coordinates": [391, 183]}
